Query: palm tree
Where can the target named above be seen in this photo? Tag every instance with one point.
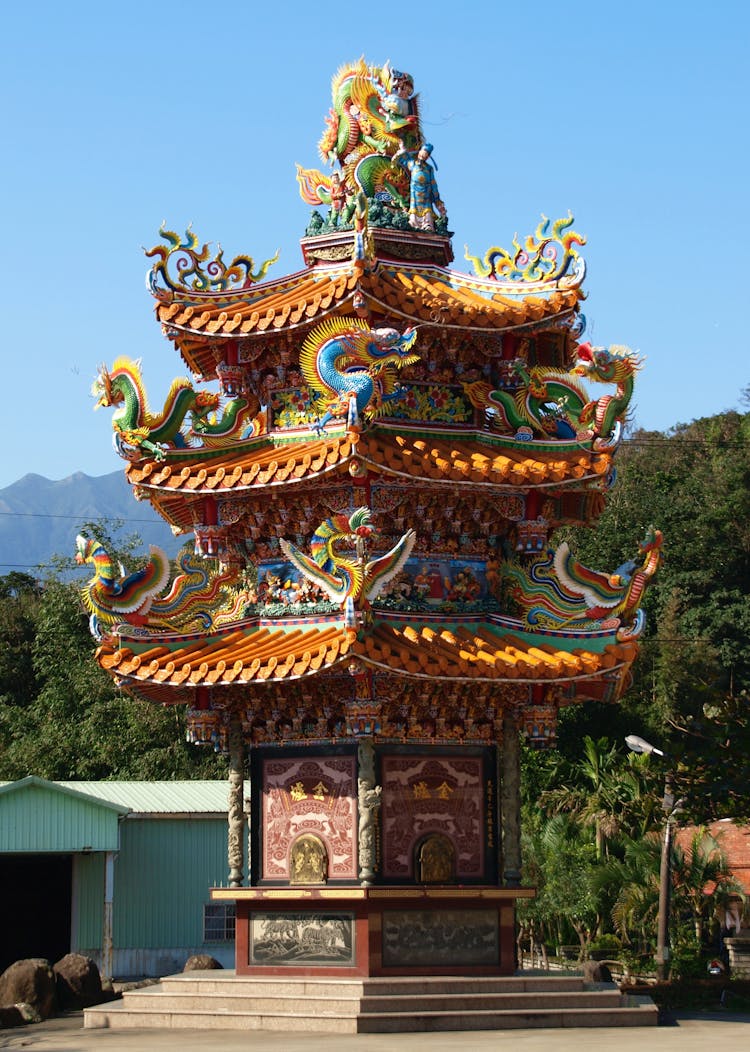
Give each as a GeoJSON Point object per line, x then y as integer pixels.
{"type": "Point", "coordinates": [607, 793]}
{"type": "Point", "coordinates": [636, 907]}
{"type": "Point", "coordinates": [702, 879]}
{"type": "Point", "coordinates": [700, 882]}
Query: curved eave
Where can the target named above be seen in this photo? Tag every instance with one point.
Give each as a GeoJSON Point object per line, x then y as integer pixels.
{"type": "Point", "coordinates": [438, 458]}
{"type": "Point", "coordinates": [420, 294]}
{"type": "Point", "coordinates": [489, 653]}
{"type": "Point", "coordinates": [171, 669]}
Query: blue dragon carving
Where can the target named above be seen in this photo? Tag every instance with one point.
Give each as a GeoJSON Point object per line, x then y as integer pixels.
{"type": "Point", "coordinates": [352, 368]}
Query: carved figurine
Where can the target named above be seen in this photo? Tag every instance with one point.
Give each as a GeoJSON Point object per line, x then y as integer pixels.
{"type": "Point", "coordinates": [308, 861]}
{"type": "Point", "coordinates": [424, 197]}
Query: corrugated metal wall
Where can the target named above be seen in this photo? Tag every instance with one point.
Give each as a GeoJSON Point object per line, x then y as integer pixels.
{"type": "Point", "coordinates": [88, 888]}
{"type": "Point", "coordinates": [38, 819]}
{"type": "Point", "coordinates": [162, 876]}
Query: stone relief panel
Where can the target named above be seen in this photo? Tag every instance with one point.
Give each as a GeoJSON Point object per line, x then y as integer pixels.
{"type": "Point", "coordinates": [428, 794]}
{"type": "Point", "coordinates": [309, 795]}
{"type": "Point", "coordinates": [436, 939]}
{"type": "Point", "coordinates": [302, 938]}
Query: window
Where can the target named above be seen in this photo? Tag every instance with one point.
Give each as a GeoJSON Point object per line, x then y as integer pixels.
{"type": "Point", "coordinates": [218, 922]}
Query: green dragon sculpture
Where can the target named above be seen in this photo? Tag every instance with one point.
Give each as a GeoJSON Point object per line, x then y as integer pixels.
{"type": "Point", "coordinates": [138, 431]}
{"type": "Point", "coordinates": [551, 403]}
{"type": "Point", "coordinates": [617, 365]}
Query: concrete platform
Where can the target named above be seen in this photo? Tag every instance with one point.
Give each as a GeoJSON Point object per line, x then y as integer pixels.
{"type": "Point", "coordinates": [214, 1001]}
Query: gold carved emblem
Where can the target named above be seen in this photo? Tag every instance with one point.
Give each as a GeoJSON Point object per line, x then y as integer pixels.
{"type": "Point", "coordinates": [436, 860]}
{"type": "Point", "coordinates": [309, 860]}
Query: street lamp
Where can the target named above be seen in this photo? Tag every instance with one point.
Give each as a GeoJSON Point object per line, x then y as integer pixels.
{"type": "Point", "coordinates": [636, 744]}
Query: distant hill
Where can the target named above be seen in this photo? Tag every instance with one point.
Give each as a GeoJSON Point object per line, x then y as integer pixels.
{"type": "Point", "coordinates": [40, 518]}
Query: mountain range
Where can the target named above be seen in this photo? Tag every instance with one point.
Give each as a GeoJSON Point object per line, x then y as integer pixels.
{"type": "Point", "coordinates": [40, 518]}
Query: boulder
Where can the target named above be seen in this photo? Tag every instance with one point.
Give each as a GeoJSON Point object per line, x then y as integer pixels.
{"type": "Point", "coordinates": [27, 1012]}
{"type": "Point", "coordinates": [32, 982]}
{"type": "Point", "coordinates": [78, 982]}
{"type": "Point", "coordinates": [201, 962]}
{"type": "Point", "coordinates": [596, 972]}
{"type": "Point", "coordinates": [11, 1016]}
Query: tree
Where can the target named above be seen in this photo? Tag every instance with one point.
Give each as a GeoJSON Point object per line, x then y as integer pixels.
{"type": "Point", "coordinates": [74, 723]}
{"type": "Point", "coordinates": [700, 880]}
{"type": "Point", "coordinates": [560, 864]}
{"type": "Point", "coordinates": [606, 792]}
{"type": "Point", "coordinates": [693, 483]}
{"type": "Point", "coordinates": [19, 603]}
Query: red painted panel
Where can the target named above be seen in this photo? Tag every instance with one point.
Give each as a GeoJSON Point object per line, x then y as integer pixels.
{"type": "Point", "coordinates": [432, 794]}
{"type": "Point", "coordinates": [309, 795]}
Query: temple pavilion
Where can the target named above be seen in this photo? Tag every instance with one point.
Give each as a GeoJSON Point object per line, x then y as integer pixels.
{"type": "Point", "coordinates": [371, 456]}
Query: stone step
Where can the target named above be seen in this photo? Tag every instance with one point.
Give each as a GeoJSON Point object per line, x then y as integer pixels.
{"type": "Point", "coordinates": [239, 1003]}
{"type": "Point", "coordinates": [119, 1017]}
{"type": "Point", "coordinates": [328, 1005]}
{"type": "Point", "coordinates": [392, 1005]}
{"type": "Point", "coordinates": [531, 1018]}
{"type": "Point", "coordinates": [489, 1002]}
{"type": "Point", "coordinates": [207, 982]}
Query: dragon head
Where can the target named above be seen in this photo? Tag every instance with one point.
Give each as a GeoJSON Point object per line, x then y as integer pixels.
{"type": "Point", "coordinates": [105, 390]}
{"type": "Point", "coordinates": [652, 539]}
{"type": "Point", "coordinates": [391, 346]}
{"type": "Point", "coordinates": [205, 403]}
{"type": "Point", "coordinates": [606, 365]}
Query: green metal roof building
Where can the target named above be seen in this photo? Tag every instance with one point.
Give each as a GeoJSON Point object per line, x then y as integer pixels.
{"type": "Point", "coordinates": [119, 871]}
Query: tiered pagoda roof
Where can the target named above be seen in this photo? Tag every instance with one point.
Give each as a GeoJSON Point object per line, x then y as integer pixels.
{"type": "Point", "coordinates": [197, 321]}
{"type": "Point", "coordinates": [420, 430]}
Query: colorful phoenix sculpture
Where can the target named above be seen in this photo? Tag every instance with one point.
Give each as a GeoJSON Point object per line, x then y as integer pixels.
{"type": "Point", "coordinates": [112, 596]}
{"type": "Point", "coordinates": [558, 591]}
{"type": "Point", "coordinates": [353, 581]}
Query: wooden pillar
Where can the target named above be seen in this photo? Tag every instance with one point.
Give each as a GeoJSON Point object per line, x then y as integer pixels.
{"type": "Point", "coordinates": [236, 809]}
{"type": "Point", "coordinates": [510, 802]}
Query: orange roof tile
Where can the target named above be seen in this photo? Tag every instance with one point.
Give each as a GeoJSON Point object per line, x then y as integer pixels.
{"type": "Point", "coordinates": [481, 652]}
{"type": "Point", "coordinates": [443, 458]}
{"type": "Point", "coordinates": [252, 653]}
{"type": "Point", "coordinates": [426, 294]}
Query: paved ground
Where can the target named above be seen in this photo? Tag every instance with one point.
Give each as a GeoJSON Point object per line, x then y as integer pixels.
{"type": "Point", "coordinates": [688, 1033]}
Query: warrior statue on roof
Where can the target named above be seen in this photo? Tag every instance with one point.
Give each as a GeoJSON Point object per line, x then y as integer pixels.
{"type": "Point", "coordinates": [424, 199]}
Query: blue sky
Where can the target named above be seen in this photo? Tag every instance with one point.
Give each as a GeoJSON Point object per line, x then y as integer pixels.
{"type": "Point", "coordinates": [633, 117]}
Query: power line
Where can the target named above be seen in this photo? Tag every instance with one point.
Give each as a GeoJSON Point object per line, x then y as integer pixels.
{"type": "Point", "coordinates": [75, 518]}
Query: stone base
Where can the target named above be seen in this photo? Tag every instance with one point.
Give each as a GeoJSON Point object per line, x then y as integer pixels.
{"type": "Point", "coordinates": [376, 931]}
{"type": "Point", "coordinates": [218, 1000]}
